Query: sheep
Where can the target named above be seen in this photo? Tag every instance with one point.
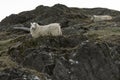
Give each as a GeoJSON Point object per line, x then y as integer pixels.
{"type": "Point", "coordinates": [53, 29]}
{"type": "Point", "coordinates": [97, 18]}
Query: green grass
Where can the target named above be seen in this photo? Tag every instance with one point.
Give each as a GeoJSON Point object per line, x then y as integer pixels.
{"type": "Point", "coordinates": [5, 42]}
{"type": "Point", "coordinates": [104, 34]}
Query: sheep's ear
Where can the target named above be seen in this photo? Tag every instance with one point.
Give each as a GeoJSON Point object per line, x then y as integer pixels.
{"type": "Point", "coordinates": [31, 23]}
{"type": "Point", "coordinates": [34, 27]}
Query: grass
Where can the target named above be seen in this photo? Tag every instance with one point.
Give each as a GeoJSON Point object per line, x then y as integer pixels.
{"type": "Point", "coordinates": [5, 42]}
{"type": "Point", "coordinates": [104, 34]}
{"type": "Point", "coordinates": [6, 62]}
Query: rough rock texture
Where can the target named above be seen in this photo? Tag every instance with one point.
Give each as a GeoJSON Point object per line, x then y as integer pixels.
{"type": "Point", "coordinates": [44, 15]}
{"type": "Point", "coordinates": [16, 74]}
{"type": "Point", "coordinates": [86, 51]}
{"type": "Point", "coordinates": [85, 60]}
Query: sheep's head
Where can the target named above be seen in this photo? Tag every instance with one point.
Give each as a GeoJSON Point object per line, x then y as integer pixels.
{"type": "Point", "coordinates": [92, 17]}
{"type": "Point", "coordinates": [33, 26]}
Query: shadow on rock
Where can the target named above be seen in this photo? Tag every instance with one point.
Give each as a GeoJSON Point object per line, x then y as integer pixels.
{"type": "Point", "coordinates": [80, 60]}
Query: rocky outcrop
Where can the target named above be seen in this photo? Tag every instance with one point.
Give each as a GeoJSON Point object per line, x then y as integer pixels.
{"type": "Point", "coordinates": [43, 15]}
{"type": "Point", "coordinates": [86, 51]}
{"type": "Point", "coordinates": [16, 74]}
{"type": "Point", "coordinates": [78, 59]}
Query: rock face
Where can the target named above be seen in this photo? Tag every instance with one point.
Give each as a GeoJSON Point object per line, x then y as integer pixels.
{"type": "Point", "coordinates": [85, 60]}
{"type": "Point", "coordinates": [86, 51]}
{"type": "Point", "coordinates": [43, 15]}
{"type": "Point", "coordinates": [16, 74]}
{"type": "Point", "coordinates": [87, 63]}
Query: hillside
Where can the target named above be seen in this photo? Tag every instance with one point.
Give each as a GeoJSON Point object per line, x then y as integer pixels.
{"type": "Point", "coordinates": [87, 50]}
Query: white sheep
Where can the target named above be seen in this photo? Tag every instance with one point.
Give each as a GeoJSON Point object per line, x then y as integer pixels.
{"type": "Point", "coordinates": [97, 18]}
{"type": "Point", "coordinates": [53, 29]}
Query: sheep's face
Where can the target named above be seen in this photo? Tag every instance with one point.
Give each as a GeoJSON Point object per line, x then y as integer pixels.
{"type": "Point", "coordinates": [33, 26]}
{"type": "Point", "coordinates": [91, 18]}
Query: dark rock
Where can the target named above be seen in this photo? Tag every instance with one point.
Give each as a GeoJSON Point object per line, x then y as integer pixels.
{"type": "Point", "coordinates": [85, 60]}
{"type": "Point", "coordinates": [76, 29]}
{"type": "Point", "coordinates": [116, 19]}
{"type": "Point", "coordinates": [89, 62]}
{"type": "Point", "coordinates": [16, 74]}
{"type": "Point", "coordinates": [101, 11]}
{"type": "Point", "coordinates": [43, 14]}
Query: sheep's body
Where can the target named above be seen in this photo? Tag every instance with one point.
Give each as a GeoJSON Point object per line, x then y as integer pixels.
{"type": "Point", "coordinates": [97, 18]}
{"type": "Point", "coordinates": [53, 29]}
